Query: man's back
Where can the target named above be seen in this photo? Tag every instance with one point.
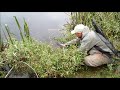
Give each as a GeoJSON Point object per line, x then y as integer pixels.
{"type": "Point", "coordinates": [91, 41]}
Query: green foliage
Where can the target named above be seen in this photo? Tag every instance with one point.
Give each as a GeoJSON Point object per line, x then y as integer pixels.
{"type": "Point", "coordinates": [47, 62]}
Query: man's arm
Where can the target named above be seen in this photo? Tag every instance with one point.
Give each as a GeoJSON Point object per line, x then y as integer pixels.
{"type": "Point", "coordinates": [74, 41]}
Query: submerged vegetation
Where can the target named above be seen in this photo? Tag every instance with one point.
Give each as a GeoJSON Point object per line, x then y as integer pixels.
{"type": "Point", "coordinates": [59, 62]}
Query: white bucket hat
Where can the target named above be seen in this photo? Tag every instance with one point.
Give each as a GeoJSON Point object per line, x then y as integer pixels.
{"type": "Point", "coordinates": [79, 28]}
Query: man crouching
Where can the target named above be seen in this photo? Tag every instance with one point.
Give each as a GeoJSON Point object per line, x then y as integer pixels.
{"type": "Point", "coordinates": [98, 53]}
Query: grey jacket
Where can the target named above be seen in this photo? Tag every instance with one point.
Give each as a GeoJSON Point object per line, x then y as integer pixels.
{"type": "Point", "coordinates": [89, 41]}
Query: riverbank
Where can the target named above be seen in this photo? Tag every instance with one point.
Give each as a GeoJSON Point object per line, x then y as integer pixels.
{"type": "Point", "coordinates": [49, 62]}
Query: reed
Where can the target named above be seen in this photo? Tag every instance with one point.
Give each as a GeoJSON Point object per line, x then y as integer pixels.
{"type": "Point", "coordinates": [19, 27]}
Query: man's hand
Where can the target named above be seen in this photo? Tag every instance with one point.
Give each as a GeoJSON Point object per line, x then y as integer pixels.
{"type": "Point", "coordinates": [63, 45]}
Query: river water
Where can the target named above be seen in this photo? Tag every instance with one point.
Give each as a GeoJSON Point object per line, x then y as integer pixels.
{"type": "Point", "coordinates": [44, 26]}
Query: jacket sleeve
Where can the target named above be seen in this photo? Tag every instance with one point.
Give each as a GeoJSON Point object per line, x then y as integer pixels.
{"type": "Point", "coordinates": [74, 41]}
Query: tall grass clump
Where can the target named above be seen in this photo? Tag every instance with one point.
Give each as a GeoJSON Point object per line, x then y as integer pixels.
{"type": "Point", "coordinates": [25, 33]}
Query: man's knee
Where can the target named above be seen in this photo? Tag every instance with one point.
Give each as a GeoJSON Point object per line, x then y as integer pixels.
{"type": "Point", "coordinates": [89, 62]}
{"type": "Point", "coordinates": [96, 60]}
